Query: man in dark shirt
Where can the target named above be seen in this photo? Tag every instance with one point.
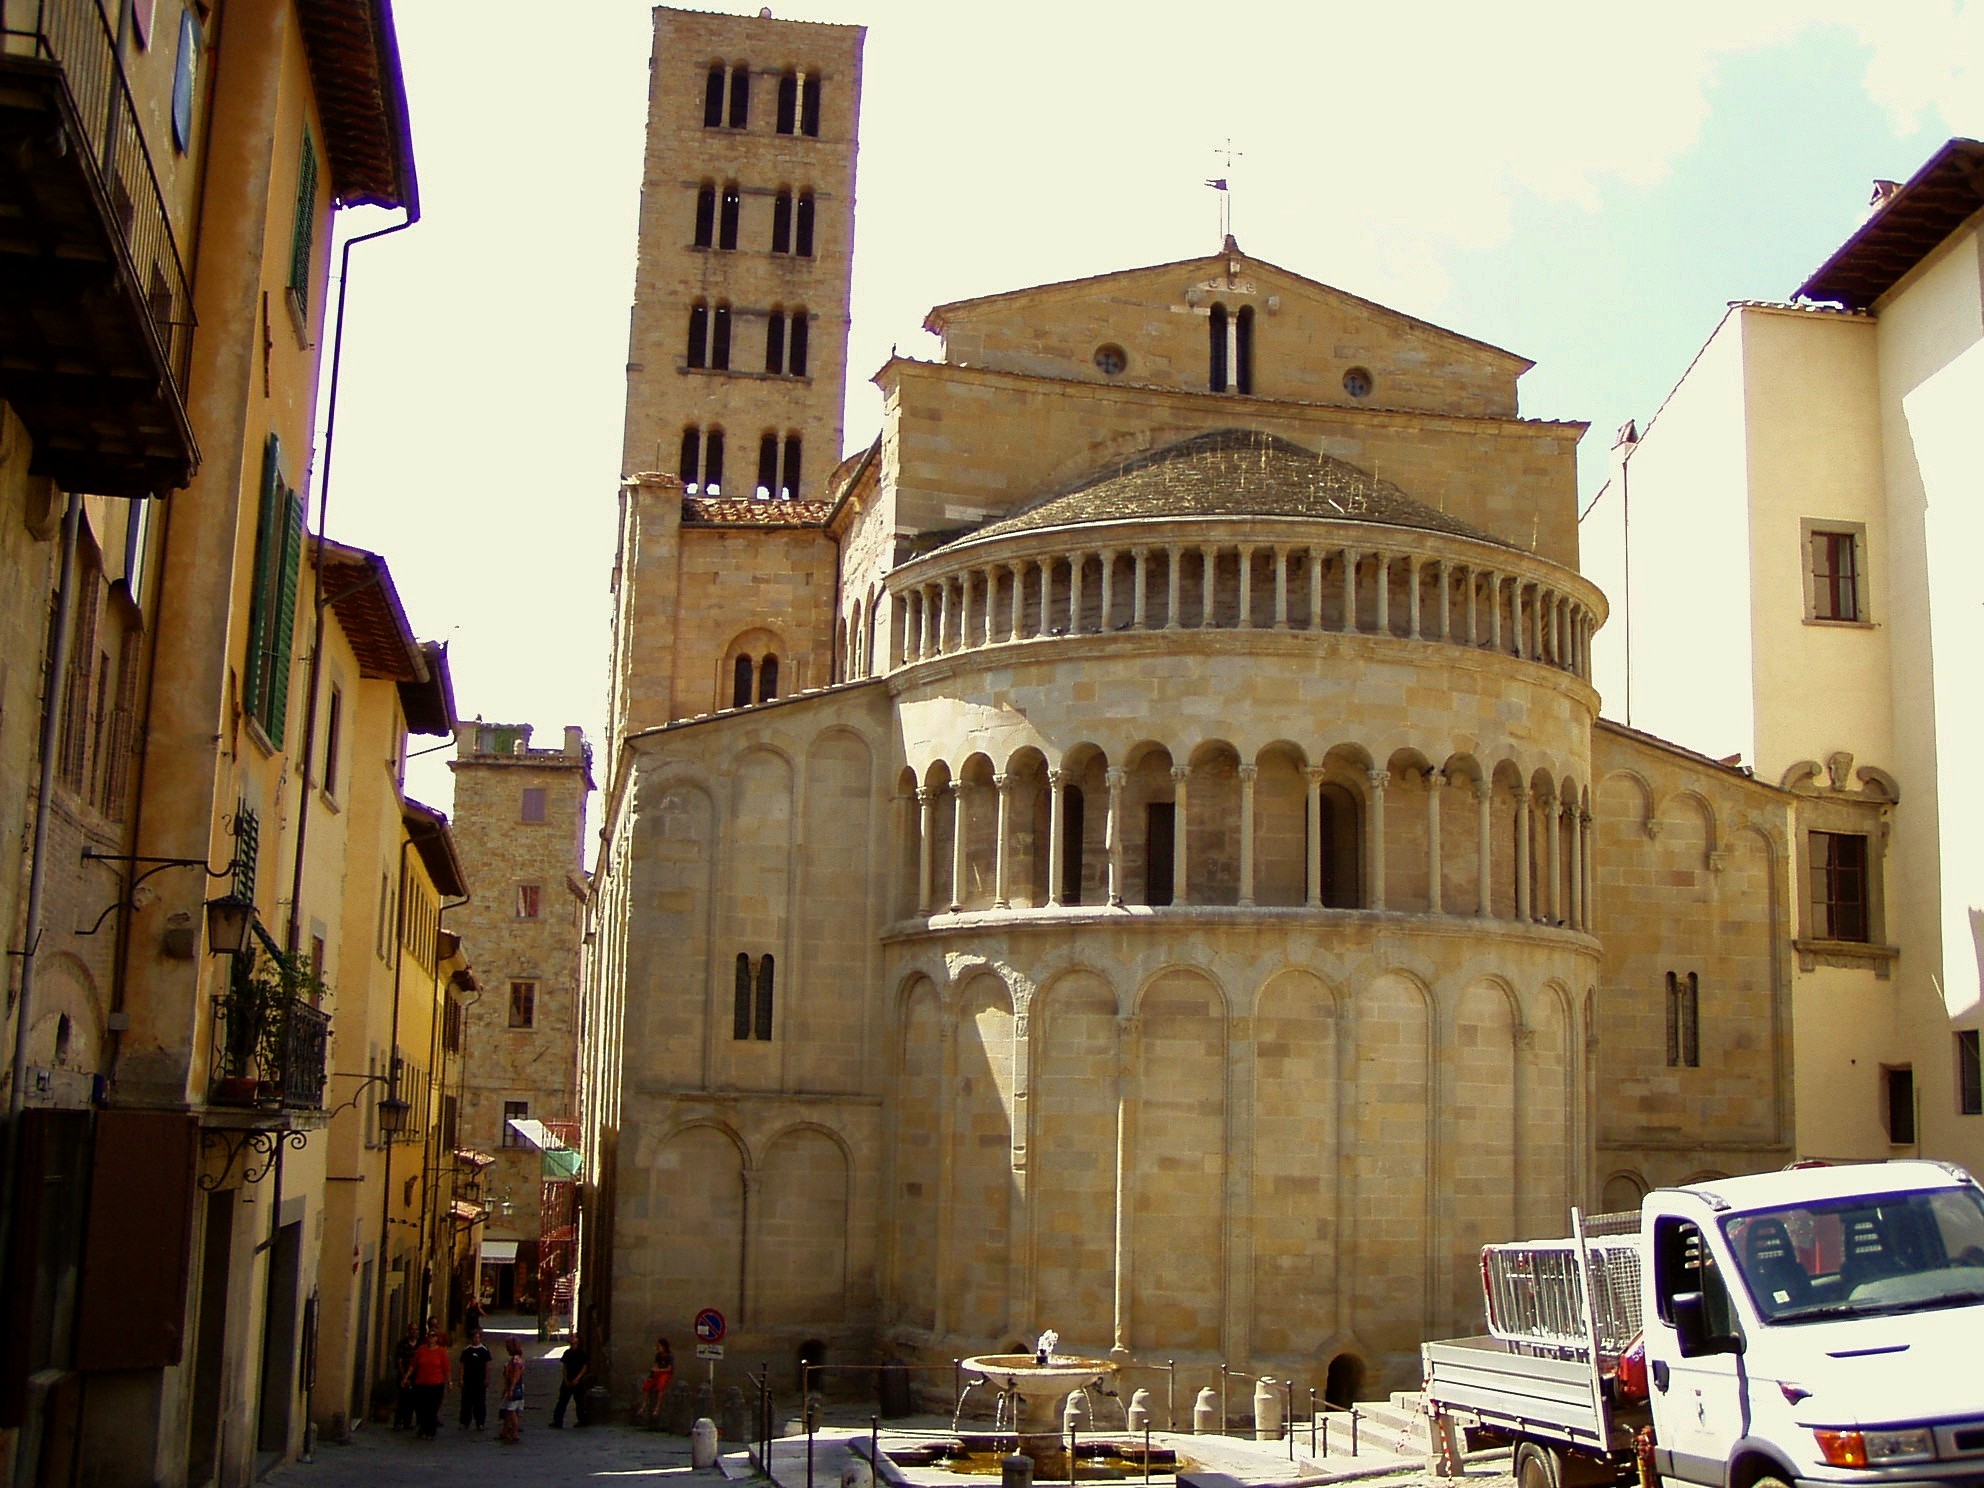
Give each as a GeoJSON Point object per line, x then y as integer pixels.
{"type": "Point", "coordinates": [475, 1382]}
{"type": "Point", "coordinates": [573, 1383]}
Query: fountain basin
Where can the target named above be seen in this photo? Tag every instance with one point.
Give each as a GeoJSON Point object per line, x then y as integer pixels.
{"type": "Point", "coordinates": [1038, 1389]}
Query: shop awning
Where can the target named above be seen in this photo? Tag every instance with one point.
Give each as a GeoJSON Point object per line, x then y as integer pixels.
{"type": "Point", "coordinates": [561, 1159]}
{"type": "Point", "coordinates": [499, 1252]}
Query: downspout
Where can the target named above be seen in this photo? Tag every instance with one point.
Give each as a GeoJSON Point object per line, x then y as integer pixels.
{"type": "Point", "coordinates": [293, 933]}
{"type": "Point", "coordinates": [393, 1089]}
{"type": "Point", "coordinates": [435, 1056]}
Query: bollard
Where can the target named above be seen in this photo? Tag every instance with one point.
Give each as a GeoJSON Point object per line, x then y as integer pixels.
{"type": "Point", "coordinates": [736, 1417]}
{"type": "Point", "coordinates": [1267, 1410]}
{"type": "Point", "coordinates": [1139, 1418]}
{"type": "Point", "coordinates": [1016, 1471]}
{"type": "Point", "coordinates": [1205, 1414]}
{"type": "Point", "coordinates": [702, 1444]}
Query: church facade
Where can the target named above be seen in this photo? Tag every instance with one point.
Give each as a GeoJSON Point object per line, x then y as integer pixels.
{"type": "Point", "coordinates": [1136, 852]}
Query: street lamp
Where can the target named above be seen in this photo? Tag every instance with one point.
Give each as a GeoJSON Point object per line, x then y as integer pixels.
{"type": "Point", "coordinates": [228, 920]}
{"type": "Point", "coordinates": [392, 1116]}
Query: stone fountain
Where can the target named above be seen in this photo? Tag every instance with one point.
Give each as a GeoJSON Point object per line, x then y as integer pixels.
{"type": "Point", "coordinates": [1038, 1384]}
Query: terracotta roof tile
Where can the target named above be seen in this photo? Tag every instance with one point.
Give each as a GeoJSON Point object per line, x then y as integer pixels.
{"type": "Point", "coordinates": [746, 511]}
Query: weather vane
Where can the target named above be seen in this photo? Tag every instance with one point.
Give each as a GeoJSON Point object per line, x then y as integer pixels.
{"type": "Point", "coordinates": [1222, 184]}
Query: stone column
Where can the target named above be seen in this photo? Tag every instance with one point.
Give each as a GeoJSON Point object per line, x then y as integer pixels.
{"type": "Point", "coordinates": [960, 789]}
{"type": "Point", "coordinates": [1573, 869]}
{"type": "Point", "coordinates": [947, 1118]}
{"type": "Point", "coordinates": [1208, 578]}
{"type": "Point", "coordinates": [991, 602]}
{"type": "Point", "coordinates": [1018, 571]}
{"type": "Point", "coordinates": [1350, 557]}
{"type": "Point", "coordinates": [1128, 1079]}
{"type": "Point", "coordinates": [1522, 853]}
{"type": "Point", "coordinates": [1381, 567]}
{"type": "Point", "coordinates": [1247, 774]}
{"type": "Point", "coordinates": [1075, 593]}
{"type": "Point", "coordinates": [1181, 776]}
{"type": "Point", "coordinates": [1246, 586]}
{"type": "Point", "coordinates": [1117, 776]}
{"type": "Point", "coordinates": [1047, 596]}
{"type": "Point", "coordinates": [1436, 781]}
{"type": "Point", "coordinates": [1473, 606]}
{"type": "Point", "coordinates": [1314, 868]}
{"type": "Point", "coordinates": [1315, 590]}
{"type": "Point", "coordinates": [1056, 827]}
{"type": "Point", "coordinates": [1484, 798]}
{"type": "Point", "coordinates": [1171, 586]}
{"type": "Point", "coordinates": [1585, 867]}
{"type": "Point", "coordinates": [1138, 555]}
{"type": "Point", "coordinates": [1375, 847]}
{"type": "Point", "coordinates": [942, 628]}
{"type": "Point", "coordinates": [1280, 587]}
{"type": "Point", "coordinates": [1518, 641]}
{"type": "Point", "coordinates": [1003, 783]}
{"type": "Point", "coordinates": [1552, 814]}
{"type": "Point", "coordinates": [1495, 611]}
{"type": "Point", "coordinates": [1443, 629]}
{"type": "Point", "coordinates": [1412, 596]}
{"type": "Point", "coordinates": [926, 801]}
{"type": "Point", "coordinates": [1105, 621]}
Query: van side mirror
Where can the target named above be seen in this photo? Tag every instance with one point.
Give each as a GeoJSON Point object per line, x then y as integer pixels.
{"type": "Point", "coordinates": [1692, 1330]}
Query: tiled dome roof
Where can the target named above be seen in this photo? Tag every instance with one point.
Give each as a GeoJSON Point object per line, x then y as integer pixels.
{"type": "Point", "coordinates": [1234, 473]}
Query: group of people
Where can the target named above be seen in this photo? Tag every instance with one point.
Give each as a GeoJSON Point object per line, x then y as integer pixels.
{"type": "Point", "coordinates": [425, 1370]}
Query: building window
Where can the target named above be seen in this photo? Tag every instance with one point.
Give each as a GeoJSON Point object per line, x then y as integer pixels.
{"type": "Point", "coordinates": [775, 341]}
{"type": "Point", "coordinates": [739, 90]}
{"type": "Point", "coordinates": [1243, 350]}
{"type": "Point", "coordinates": [740, 683]}
{"type": "Point", "coordinates": [514, 1111]}
{"type": "Point", "coordinates": [740, 96]}
{"type": "Point", "coordinates": [709, 336]}
{"type": "Point", "coordinates": [1839, 886]}
{"type": "Point", "coordinates": [523, 1004]}
{"type": "Point", "coordinates": [303, 232]}
{"type": "Point", "coordinates": [1683, 1021]}
{"type": "Point", "coordinates": [802, 226]}
{"type": "Point", "coordinates": [751, 1000]}
{"type": "Point", "coordinates": [761, 1023]}
{"type": "Point", "coordinates": [528, 901]}
{"type": "Point", "coordinates": [333, 739]}
{"type": "Point", "coordinates": [706, 214]}
{"type": "Point", "coordinates": [753, 679]}
{"type": "Point", "coordinates": [733, 202]}
{"type": "Point", "coordinates": [1216, 349]}
{"type": "Point", "coordinates": [792, 223]}
{"type": "Point", "coordinates": [1073, 806]}
{"type": "Point", "coordinates": [1969, 1074]}
{"type": "Point", "coordinates": [185, 70]}
{"type": "Point", "coordinates": [788, 489]}
{"type": "Point", "coordinates": [788, 102]}
{"type": "Point", "coordinates": [1898, 1095]}
{"type": "Point", "coordinates": [785, 343]}
{"type": "Point", "coordinates": [1835, 587]}
{"type": "Point", "coordinates": [272, 604]}
{"type": "Point", "coordinates": [768, 678]}
{"type": "Point", "coordinates": [782, 221]}
{"type": "Point", "coordinates": [533, 803]}
{"type": "Point", "coordinates": [1230, 350]}
{"type": "Point", "coordinates": [701, 464]}
{"type": "Point", "coordinates": [713, 97]}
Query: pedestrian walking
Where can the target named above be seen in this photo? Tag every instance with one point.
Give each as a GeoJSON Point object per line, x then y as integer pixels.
{"type": "Point", "coordinates": [573, 1382]}
{"type": "Point", "coordinates": [403, 1352]}
{"type": "Point", "coordinates": [430, 1382]}
{"type": "Point", "coordinates": [475, 1361]}
{"type": "Point", "coordinates": [511, 1406]}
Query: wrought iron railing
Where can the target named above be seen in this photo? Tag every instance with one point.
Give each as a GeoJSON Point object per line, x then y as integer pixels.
{"type": "Point", "coordinates": [269, 1052]}
{"type": "Point", "coordinates": [81, 40]}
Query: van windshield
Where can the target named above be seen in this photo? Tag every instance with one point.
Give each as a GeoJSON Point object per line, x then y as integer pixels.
{"type": "Point", "coordinates": [1863, 1255]}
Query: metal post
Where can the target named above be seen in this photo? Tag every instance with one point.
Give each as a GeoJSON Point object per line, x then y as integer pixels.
{"type": "Point", "coordinates": [812, 1430]}
{"type": "Point", "coordinates": [1170, 1387]}
{"type": "Point", "coordinates": [1353, 1431]}
{"type": "Point", "coordinates": [1071, 1451]}
{"type": "Point", "coordinates": [1146, 1456]}
{"type": "Point", "coordinates": [1222, 1397]}
{"type": "Point", "coordinates": [1288, 1414]}
{"type": "Point", "coordinates": [1312, 1424]}
{"type": "Point", "coordinates": [875, 1446]}
{"type": "Point", "coordinates": [1326, 1440]}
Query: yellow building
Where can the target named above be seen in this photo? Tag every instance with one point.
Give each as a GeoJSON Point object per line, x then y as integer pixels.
{"type": "Point", "coordinates": [1813, 476]}
{"type": "Point", "coordinates": [162, 293]}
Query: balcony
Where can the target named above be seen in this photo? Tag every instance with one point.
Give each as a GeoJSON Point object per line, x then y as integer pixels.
{"type": "Point", "coordinates": [96, 314]}
{"type": "Point", "coordinates": [268, 1052]}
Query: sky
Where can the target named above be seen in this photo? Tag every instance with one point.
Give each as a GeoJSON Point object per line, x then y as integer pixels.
{"type": "Point", "coordinates": [1587, 185]}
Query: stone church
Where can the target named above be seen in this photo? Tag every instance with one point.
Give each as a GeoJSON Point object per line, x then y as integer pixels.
{"type": "Point", "coordinates": [1134, 849]}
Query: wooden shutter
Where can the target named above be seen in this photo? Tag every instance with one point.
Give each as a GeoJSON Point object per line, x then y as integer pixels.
{"type": "Point", "coordinates": [281, 641]}
{"type": "Point", "coordinates": [254, 679]}
{"type": "Point", "coordinates": [140, 1231]}
{"type": "Point", "coordinates": [303, 236]}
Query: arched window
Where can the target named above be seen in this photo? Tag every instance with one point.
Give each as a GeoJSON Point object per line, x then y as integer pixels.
{"type": "Point", "coordinates": [768, 679]}
{"type": "Point", "coordinates": [688, 468]}
{"type": "Point", "coordinates": [720, 338]}
{"type": "Point", "coordinates": [1684, 1050]}
{"type": "Point", "coordinates": [788, 489]}
{"type": "Point", "coordinates": [740, 1007]}
{"type": "Point", "coordinates": [733, 201]}
{"type": "Point", "coordinates": [705, 214]}
{"type": "Point", "coordinates": [762, 1027]}
{"type": "Point", "coordinates": [775, 341]}
{"type": "Point", "coordinates": [803, 231]}
{"type": "Point", "coordinates": [809, 105]}
{"type": "Point", "coordinates": [740, 683]}
{"type": "Point", "coordinates": [782, 221]}
{"type": "Point", "coordinates": [1341, 848]}
{"type": "Point", "coordinates": [713, 462]}
{"type": "Point", "coordinates": [795, 351]}
{"type": "Point", "coordinates": [699, 334]}
{"type": "Point", "coordinates": [788, 101]}
{"type": "Point", "coordinates": [1071, 844]}
{"type": "Point", "coordinates": [740, 96]}
{"type": "Point", "coordinates": [713, 98]}
{"type": "Point", "coordinates": [1243, 350]}
{"type": "Point", "coordinates": [767, 465]}
{"type": "Point", "coordinates": [1216, 348]}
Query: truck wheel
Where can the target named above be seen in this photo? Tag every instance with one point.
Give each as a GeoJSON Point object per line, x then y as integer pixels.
{"type": "Point", "coordinates": [1536, 1467]}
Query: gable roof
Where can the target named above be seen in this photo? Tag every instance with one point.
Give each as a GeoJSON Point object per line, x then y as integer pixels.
{"type": "Point", "coordinates": [1234, 473]}
{"type": "Point", "coordinates": [1904, 229]}
{"type": "Point", "coordinates": [941, 315]}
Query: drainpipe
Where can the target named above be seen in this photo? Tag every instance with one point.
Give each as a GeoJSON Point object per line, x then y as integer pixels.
{"type": "Point", "coordinates": [293, 934]}
{"type": "Point", "coordinates": [435, 1055]}
{"type": "Point", "coordinates": [393, 1089]}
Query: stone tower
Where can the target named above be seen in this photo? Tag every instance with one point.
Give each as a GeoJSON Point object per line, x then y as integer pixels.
{"type": "Point", "coordinates": [737, 355]}
{"type": "Point", "coordinates": [520, 818]}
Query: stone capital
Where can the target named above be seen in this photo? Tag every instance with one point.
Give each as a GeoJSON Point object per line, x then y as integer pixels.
{"type": "Point", "coordinates": [1057, 778]}
{"type": "Point", "coordinates": [1435, 779]}
{"type": "Point", "coordinates": [1117, 777]}
{"type": "Point", "coordinates": [1379, 780]}
{"type": "Point", "coordinates": [925, 794]}
{"type": "Point", "coordinates": [1180, 774]}
{"type": "Point", "coordinates": [1002, 781]}
{"type": "Point", "coordinates": [1248, 773]}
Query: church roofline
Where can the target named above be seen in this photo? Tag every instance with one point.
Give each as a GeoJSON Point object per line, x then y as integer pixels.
{"type": "Point", "coordinates": [1908, 224]}
{"type": "Point", "coordinates": [939, 315]}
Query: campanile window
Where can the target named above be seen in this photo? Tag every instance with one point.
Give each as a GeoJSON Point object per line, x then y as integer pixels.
{"type": "Point", "coordinates": [1835, 572]}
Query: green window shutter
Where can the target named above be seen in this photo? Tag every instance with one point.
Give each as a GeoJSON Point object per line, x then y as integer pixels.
{"type": "Point", "coordinates": [303, 236]}
{"type": "Point", "coordinates": [280, 642]}
{"type": "Point", "coordinates": [261, 603]}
